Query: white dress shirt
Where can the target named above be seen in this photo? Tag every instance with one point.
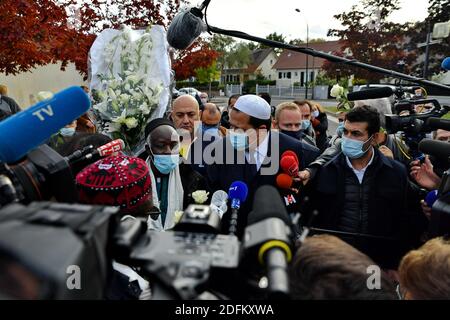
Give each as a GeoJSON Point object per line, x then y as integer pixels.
{"type": "Point", "coordinates": [360, 173]}
{"type": "Point", "coordinates": [260, 153]}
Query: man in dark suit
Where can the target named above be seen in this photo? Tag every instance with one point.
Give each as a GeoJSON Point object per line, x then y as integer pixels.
{"type": "Point", "coordinates": [251, 153]}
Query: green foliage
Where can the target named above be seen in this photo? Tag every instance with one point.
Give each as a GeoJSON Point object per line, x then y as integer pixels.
{"type": "Point", "coordinates": [208, 74]}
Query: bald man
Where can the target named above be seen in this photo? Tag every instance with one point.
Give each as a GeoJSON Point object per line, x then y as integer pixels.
{"type": "Point", "coordinates": [185, 111]}
{"type": "Point", "coordinates": [210, 118]}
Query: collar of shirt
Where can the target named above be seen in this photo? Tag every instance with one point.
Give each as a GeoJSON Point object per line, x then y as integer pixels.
{"type": "Point", "coordinates": [360, 173]}
{"type": "Point", "coordinates": [260, 152]}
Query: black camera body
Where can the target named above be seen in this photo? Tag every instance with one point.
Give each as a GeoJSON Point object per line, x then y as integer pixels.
{"type": "Point", "coordinates": [42, 175]}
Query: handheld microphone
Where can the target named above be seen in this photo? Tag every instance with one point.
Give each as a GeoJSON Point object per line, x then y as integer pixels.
{"type": "Point", "coordinates": [377, 93]}
{"type": "Point", "coordinates": [32, 127]}
{"type": "Point", "coordinates": [284, 181]}
{"type": "Point", "coordinates": [219, 202]}
{"type": "Point", "coordinates": [268, 236]}
{"type": "Point", "coordinates": [238, 193]}
{"type": "Point", "coordinates": [289, 163]}
{"type": "Point", "coordinates": [446, 64]}
{"type": "Point", "coordinates": [186, 27]}
{"type": "Point", "coordinates": [107, 149]}
{"type": "Point", "coordinates": [431, 198]}
{"type": "Point", "coordinates": [439, 149]}
{"type": "Point", "coordinates": [438, 123]}
{"type": "Point", "coordinates": [77, 155]}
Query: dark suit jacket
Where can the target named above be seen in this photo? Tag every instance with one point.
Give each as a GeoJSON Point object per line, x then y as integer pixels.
{"type": "Point", "coordinates": [230, 165]}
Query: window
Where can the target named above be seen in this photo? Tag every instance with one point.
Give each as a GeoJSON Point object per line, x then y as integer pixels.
{"type": "Point", "coordinates": [311, 78]}
{"type": "Point", "coordinates": [270, 77]}
{"type": "Point", "coordinates": [280, 75]}
{"type": "Point", "coordinates": [296, 74]}
{"type": "Point", "coordinates": [288, 75]}
{"type": "Point", "coordinates": [302, 79]}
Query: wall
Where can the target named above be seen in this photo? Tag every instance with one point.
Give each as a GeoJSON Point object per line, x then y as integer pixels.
{"type": "Point", "coordinates": [266, 67]}
{"type": "Point", "coordinates": [24, 87]}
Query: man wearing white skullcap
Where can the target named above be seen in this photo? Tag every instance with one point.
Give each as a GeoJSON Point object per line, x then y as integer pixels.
{"type": "Point", "coordinates": [251, 153]}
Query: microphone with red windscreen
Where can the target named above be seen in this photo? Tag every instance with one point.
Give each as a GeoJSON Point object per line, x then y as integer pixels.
{"type": "Point", "coordinates": [284, 181]}
{"type": "Point", "coordinates": [289, 163]}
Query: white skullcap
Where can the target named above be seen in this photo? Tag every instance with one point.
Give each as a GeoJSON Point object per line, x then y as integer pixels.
{"type": "Point", "coordinates": [254, 106]}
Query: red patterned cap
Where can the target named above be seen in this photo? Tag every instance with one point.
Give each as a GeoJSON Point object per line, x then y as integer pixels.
{"type": "Point", "coordinates": [119, 181]}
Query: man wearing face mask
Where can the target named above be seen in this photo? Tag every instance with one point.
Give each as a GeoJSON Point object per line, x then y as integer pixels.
{"type": "Point", "coordinates": [174, 182]}
{"type": "Point", "coordinates": [64, 135]}
{"type": "Point", "coordinates": [306, 109]}
{"type": "Point", "coordinates": [251, 153]}
{"type": "Point", "coordinates": [288, 119]}
{"type": "Point", "coordinates": [361, 191]}
{"type": "Point", "coordinates": [209, 131]}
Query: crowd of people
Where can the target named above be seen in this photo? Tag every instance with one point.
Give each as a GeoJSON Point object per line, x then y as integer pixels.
{"type": "Point", "coordinates": [360, 187]}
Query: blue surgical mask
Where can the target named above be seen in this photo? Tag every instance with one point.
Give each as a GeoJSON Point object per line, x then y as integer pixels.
{"type": "Point", "coordinates": [165, 163]}
{"type": "Point", "coordinates": [315, 114]}
{"type": "Point", "coordinates": [353, 148]}
{"type": "Point", "coordinates": [239, 141]}
{"type": "Point", "coordinates": [294, 134]}
{"type": "Point", "coordinates": [67, 132]}
{"type": "Point", "coordinates": [305, 124]}
{"type": "Point", "coordinates": [340, 129]}
{"type": "Point", "coordinates": [207, 127]}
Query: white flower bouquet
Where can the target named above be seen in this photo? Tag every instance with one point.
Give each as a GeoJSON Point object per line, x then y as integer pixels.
{"type": "Point", "coordinates": [130, 80]}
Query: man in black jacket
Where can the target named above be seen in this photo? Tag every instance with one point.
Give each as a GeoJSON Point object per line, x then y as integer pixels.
{"type": "Point", "coordinates": [7, 104]}
{"type": "Point", "coordinates": [251, 153]}
{"type": "Point", "coordinates": [361, 191]}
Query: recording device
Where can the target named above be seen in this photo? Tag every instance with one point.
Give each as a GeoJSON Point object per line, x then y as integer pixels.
{"type": "Point", "coordinates": [35, 125]}
{"type": "Point", "coordinates": [46, 245]}
{"type": "Point", "coordinates": [38, 177]}
{"type": "Point", "coordinates": [411, 118]}
{"type": "Point", "coordinates": [186, 27]}
{"type": "Point", "coordinates": [382, 92]}
{"type": "Point", "coordinates": [439, 149]}
{"type": "Point", "coordinates": [446, 64]}
{"type": "Point", "coordinates": [219, 201]}
{"type": "Point", "coordinates": [436, 123]}
{"type": "Point", "coordinates": [268, 239]}
{"type": "Point", "coordinates": [289, 163]}
{"type": "Point", "coordinates": [237, 193]}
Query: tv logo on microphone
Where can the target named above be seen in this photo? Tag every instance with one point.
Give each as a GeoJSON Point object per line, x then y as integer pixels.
{"type": "Point", "coordinates": [44, 110]}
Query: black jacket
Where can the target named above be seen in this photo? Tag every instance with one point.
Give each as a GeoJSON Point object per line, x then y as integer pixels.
{"type": "Point", "coordinates": [192, 181]}
{"type": "Point", "coordinates": [321, 132]}
{"type": "Point", "coordinates": [385, 211]}
{"type": "Point", "coordinates": [8, 105]}
{"type": "Point", "coordinates": [232, 166]}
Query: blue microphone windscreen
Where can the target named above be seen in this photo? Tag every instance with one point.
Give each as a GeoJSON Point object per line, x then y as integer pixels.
{"type": "Point", "coordinates": [32, 127]}
{"type": "Point", "coordinates": [238, 190]}
{"type": "Point", "coordinates": [446, 63]}
{"type": "Point", "coordinates": [431, 198]}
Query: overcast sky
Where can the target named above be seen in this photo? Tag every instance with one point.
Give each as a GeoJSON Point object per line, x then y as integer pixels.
{"type": "Point", "coordinates": [262, 17]}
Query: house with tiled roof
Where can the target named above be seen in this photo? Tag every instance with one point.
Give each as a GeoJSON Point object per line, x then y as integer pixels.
{"type": "Point", "coordinates": [295, 67]}
{"type": "Point", "coordinates": [261, 63]}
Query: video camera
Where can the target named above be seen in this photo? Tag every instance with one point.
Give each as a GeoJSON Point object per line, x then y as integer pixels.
{"type": "Point", "coordinates": [45, 246]}
{"type": "Point", "coordinates": [411, 117]}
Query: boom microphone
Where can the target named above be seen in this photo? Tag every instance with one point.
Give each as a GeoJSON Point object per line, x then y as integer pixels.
{"type": "Point", "coordinates": [446, 64]}
{"type": "Point", "coordinates": [438, 123]}
{"type": "Point", "coordinates": [439, 149]}
{"type": "Point", "coordinates": [32, 127]}
{"type": "Point", "coordinates": [186, 27]}
{"type": "Point", "coordinates": [383, 92]}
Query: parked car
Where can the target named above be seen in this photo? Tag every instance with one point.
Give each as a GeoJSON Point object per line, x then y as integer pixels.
{"type": "Point", "coordinates": [191, 91]}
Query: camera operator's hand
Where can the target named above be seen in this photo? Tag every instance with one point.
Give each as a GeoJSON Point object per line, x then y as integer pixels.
{"type": "Point", "coordinates": [386, 152]}
{"type": "Point", "coordinates": [424, 175]}
{"type": "Point", "coordinates": [425, 209]}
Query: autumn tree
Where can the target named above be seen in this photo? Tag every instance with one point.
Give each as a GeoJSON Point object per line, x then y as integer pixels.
{"type": "Point", "coordinates": [198, 55]}
{"type": "Point", "coordinates": [33, 33]}
{"type": "Point", "coordinates": [369, 37]}
{"type": "Point", "coordinates": [39, 32]}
